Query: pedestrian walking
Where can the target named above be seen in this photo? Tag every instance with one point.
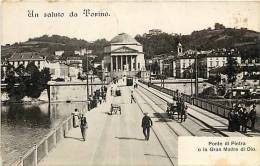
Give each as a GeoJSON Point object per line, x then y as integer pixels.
{"type": "Point", "coordinates": [105, 97]}
{"type": "Point", "coordinates": [132, 96]}
{"type": "Point", "coordinates": [111, 91]}
{"type": "Point", "coordinates": [244, 120]}
{"type": "Point", "coordinates": [252, 117]}
{"type": "Point", "coordinates": [83, 126]}
{"type": "Point", "coordinates": [100, 99]}
{"type": "Point", "coordinates": [146, 124]}
{"type": "Point", "coordinates": [75, 118]}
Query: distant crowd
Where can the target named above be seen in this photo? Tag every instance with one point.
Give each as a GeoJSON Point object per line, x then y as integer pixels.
{"type": "Point", "coordinates": [239, 117]}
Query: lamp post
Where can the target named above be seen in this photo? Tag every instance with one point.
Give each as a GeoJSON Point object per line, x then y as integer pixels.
{"type": "Point", "coordinates": [163, 73]}
{"type": "Point", "coordinates": [91, 82]}
{"type": "Point", "coordinates": [150, 63]}
{"type": "Point", "coordinates": [103, 74]}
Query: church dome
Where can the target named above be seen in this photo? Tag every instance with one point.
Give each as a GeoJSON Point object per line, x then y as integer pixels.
{"type": "Point", "coordinates": [124, 38]}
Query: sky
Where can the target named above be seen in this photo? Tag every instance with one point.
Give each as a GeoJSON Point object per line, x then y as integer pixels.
{"type": "Point", "coordinates": [129, 17]}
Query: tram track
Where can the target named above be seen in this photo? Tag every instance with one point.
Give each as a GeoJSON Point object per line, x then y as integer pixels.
{"type": "Point", "coordinates": [166, 95]}
{"type": "Point", "coordinates": [190, 117]}
{"type": "Point", "coordinates": [169, 126]}
{"type": "Point", "coordinates": [157, 136]}
{"type": "Point", "coordinates": [195, 118]}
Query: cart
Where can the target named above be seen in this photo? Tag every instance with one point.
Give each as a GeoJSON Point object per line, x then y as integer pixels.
{"type": "Point", "coordinates": [115, 108]}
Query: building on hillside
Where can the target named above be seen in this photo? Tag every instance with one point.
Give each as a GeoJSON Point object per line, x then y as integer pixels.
{"type": "Point", "coordinates": [164, 62]}
{"type": "Point", "coordinates": [155, 31]}
{"type": "Point", "coordinates": [74, 61]}
{"type": "Point", "coordinates": [83, 52]}
{"type": "Point", "coordinates": [184, 62]}
{"type": "Point", "coordinates": [214, 59]}
{"type": "Point", "coordinates": [25, 58]}
{"type": "Point", "coordinates": [63, 70]}
{"type": "Point", "coordinates": [124, 56]}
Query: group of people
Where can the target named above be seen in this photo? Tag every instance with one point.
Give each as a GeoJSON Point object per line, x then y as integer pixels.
{"type": "Point", "coordinates": [239, 117]}
{"type": "Point", "coordinates": [98, 97]}
{"type": "Point", "coordinates": [79, 119]}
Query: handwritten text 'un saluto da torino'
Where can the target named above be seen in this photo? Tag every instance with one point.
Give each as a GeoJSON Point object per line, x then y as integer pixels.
{"type": "Point", "coordinates": [57, 14]}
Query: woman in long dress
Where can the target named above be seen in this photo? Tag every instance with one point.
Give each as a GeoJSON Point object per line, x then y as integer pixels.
{"type": "Point", "coordinates": [75, 118]}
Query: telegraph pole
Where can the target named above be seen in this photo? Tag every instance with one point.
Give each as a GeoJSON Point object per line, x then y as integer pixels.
{"type": "Point", "coordinates": [196, 75]}
{"type": "Point", "coordinates": [87, 75]}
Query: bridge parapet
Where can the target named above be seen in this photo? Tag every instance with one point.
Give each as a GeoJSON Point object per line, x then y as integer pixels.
{"type": "Point", "coordinates": [64, 91]}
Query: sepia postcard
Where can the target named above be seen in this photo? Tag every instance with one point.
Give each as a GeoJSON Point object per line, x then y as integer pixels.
{"type": "Point", "coordinates": [130, 83]}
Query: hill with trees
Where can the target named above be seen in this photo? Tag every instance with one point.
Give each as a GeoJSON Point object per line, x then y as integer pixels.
{"type": "Point", "coordinates": [246, 41]}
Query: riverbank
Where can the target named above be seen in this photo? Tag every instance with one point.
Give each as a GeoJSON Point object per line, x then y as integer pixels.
{"type": "Point", "coordinates": [22, 126]}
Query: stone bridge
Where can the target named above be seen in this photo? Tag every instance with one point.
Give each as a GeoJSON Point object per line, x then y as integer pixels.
{"type": "Point", "coordinates": [68, 91]}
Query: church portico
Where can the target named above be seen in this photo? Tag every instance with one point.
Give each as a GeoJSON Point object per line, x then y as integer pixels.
{"type": "Point", "coordinates": [124, 56]}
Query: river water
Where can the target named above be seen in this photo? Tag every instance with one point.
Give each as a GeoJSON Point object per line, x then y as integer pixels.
{"type": "Point", "coordinates": [24, 125]}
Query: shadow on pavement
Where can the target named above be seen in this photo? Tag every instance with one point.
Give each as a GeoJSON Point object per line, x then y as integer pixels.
{"type": "Point", "coordinates": [157, 155]}
{"type": "Point", "coordinates": [208, 130]}
{"type": "Point", "coordinates": [160, 115]}
{"type": "Point", "coordinates": [163, 120]}
{"type": "Point", "coordinates": [78, 139]}
{"type": "Point", "coordinates": [130, 138]}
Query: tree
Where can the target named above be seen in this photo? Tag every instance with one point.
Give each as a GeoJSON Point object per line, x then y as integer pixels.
{"type": "Point", "coordinates": [231, 70]}
{"type": "Point", "coordinates": [10, 81]}
{"type": "Point", "coordinates": [27, 81]}
{"type": "Point", "coordinates": [219, 26]}
{"type": "Point", "coordinates": [155, 67]}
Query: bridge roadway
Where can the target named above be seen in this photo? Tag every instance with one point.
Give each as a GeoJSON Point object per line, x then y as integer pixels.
{"type": "Point", "coordinates": [118, 139]}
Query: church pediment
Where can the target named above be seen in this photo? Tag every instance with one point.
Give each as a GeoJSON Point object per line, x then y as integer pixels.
{"type": "Point", "coordinates": [124, 49]}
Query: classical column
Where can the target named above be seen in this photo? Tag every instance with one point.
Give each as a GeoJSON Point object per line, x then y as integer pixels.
{"type": "Point", "coordinates": [132, 60]}
{"type": "Point", "coordinates": [122, 67]}
{"type": "Point", "coordinates": [116, 62]}
{"type": "Point", "coordinates": [126, 63]}
{"type": "Point", "coordinates": [111, 64]}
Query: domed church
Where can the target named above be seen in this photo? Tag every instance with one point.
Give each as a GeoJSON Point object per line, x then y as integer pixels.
{"type": "Point", "coordinates": [123, 56]}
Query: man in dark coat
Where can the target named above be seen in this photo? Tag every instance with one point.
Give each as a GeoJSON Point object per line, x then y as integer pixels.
{"type": "Point", "coordinates": [231, 121]}
{"type": "Point", "coordinates": [183, 111]}
{"type": "Point", "coordinates": [244, 119]}
{"type": "Point", "coordinates": [83, 126]}
{"type": "Point", "coordinates": [146, 124]}
{"type": "Point", "coordinates": [236, 121]}
{"type": "Point", "coordinates": [252, 116]}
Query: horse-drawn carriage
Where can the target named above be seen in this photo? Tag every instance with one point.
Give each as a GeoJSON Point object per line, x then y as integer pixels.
{"type": "Point", "coordinates": [171, 110]}
{"type": "Point", "coordinates": [177, 107]}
